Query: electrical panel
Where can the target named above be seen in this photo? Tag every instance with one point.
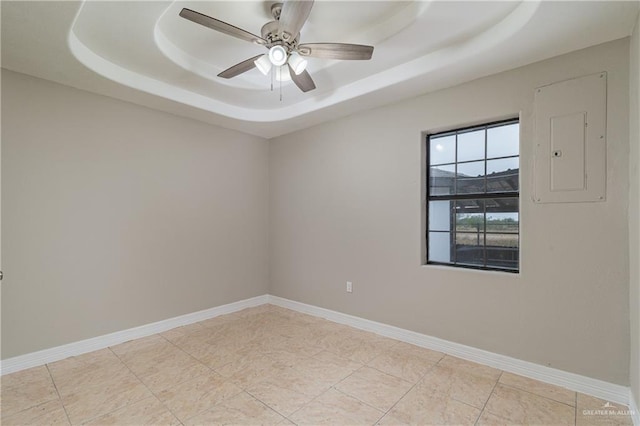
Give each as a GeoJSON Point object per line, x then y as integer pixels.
{"type": "Point", "coordinates": [570, 141]}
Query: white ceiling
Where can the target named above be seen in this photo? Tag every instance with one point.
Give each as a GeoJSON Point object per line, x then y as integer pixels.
{"type": "Point", "coordinates": [143, 52]}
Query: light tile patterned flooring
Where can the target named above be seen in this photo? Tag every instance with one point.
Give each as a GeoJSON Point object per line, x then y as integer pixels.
{"type": "Point", "coordinates": [269, 365]}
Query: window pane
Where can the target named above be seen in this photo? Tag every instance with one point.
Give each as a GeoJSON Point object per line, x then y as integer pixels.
{"type": "Point", "coordinates": [470, 178]}
{"type": "Point", "coordinates": [440, 247]}
{"type": "Point", "coordinates": [469, 216]}
{"type": "Point", "coordinates": [442, 180]}
{"type": "Point", "coordinates": [502, 175]}
{"type": "Point", "coordinates": [469, 206]}
{"type": "Point", "coordinates": [471, 239]}
{"type": "Point", "coordinates": [501, 205]}
{"type": "Point", "coordinates": [499, 166]}
{"type": "Point", "coordinates": [502, 141]}
{"type": "Point", "coordinates": [471, 145]}
{"type": "Point", "coordinates": [470, 223]}
{"type": "Point", "coordinates": [440, 215]}
{"type": "Point", "coordinates": [498, 241]}
{"type": "Point", "coordinates": [470, 248]}
{"type": "Point", "coordinates": [442, 150]}
{"type": "Point", "coordinates": [470, 232]}
{"type": "Point", "coordinates": [502, 251]}
{"type": "Point", "coordinates": [503, 222]}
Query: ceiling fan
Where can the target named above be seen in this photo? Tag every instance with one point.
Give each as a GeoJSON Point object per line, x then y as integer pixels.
{"type": "Point", "coordinates": [282, 36]}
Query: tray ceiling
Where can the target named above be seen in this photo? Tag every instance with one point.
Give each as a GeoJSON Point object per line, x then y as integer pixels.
{"type": "Point", "coordinates": [143, 52]}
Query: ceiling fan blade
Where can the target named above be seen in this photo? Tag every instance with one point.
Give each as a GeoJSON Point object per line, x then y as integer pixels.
{"type": "Point", "coordinates": [293, 16]}
{"type": "Point", "coordinates": [218, 25]}
{"type": "Point", "coordinates": [303, 80]}
{"type": "Point", "coordinates": [336, 51]}
{"type": "Point", "coordinates": [238, 69]}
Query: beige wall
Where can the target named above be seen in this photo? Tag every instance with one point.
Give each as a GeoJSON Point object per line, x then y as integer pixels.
{"type": "Point", "coordinates": [634, 210]}
{"type": "Point", "coordinates": [115, 215]}
{"type": "Point", "coordinates": [346, 204]}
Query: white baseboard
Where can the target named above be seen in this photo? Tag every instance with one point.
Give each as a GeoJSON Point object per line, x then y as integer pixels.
{"type": "Point", "coordinates": [635, 411]}
{"type": "Point", "coordinates": [35, 359]}
{"type": "Point", "coordinates": [575, 382]}
{"type": "Point", "coordinates": [594, 387]}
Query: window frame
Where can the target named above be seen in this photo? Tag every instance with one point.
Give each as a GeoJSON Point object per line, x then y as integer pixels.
{"type": "Point", "coordinates": [470, 196]}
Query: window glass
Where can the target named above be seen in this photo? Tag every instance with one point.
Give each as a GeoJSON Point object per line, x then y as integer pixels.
{"type": "Point", "coordinates": [443, 150]}
{"type": "Point", "coordinates": [471, 145]}
{"type": "Point", "coordinates": [442, 179]}
{"type": "Point", "coordinates": [502, 141]}
{"type": "Point", "coordinates": [470, 177]}
{"type": "Point", "coordinates": [502, 175]}
{"type": "Point", "coordinates": [440, 247]}
{"type": "Point", "coordinates": [440, 215]}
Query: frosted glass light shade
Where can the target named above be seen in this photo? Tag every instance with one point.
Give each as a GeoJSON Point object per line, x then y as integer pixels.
{"type": "Point", "coordinates": [278, 55]}
{"type": "Point", "coordinates": [297, 62]}
{"type": "Point", "coordinates": [263, 64]}
{"type": "Point", "coordinates": [282, 73]}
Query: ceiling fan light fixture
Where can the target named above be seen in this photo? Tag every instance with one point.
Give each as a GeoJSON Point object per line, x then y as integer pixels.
{"type": "Point", "coordinates": [263, 64]}
{"type": "Point", "coordinates": [281, 37]}
{"type": "Point", "coordinates": [297, 62]}
{"type": "Point", "coordinates": [278, 55]}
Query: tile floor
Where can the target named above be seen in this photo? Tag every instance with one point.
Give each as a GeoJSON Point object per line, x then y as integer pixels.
{"type": "Point", "coordinates": [269, 365]}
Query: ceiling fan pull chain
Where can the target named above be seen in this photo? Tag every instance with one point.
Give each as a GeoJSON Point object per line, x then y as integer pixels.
{"type": "Point", "coordinates": [281, 85]}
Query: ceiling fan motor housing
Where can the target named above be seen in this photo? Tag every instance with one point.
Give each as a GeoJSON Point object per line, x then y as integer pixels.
{"type": "Point", "coordinates": [271, 32]}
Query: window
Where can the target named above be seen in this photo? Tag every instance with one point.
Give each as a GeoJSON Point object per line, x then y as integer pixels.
{"type": "Point", "coordinates": [473, 197]}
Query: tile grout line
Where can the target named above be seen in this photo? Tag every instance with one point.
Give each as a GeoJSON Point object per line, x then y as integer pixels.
{"type": "Point", "coordinates": [330, 387]}
{"type": "Point", "coordinates": [95, 386]}
{"type": "Point", "coordinates": [363, 365]}
{"type": "Point", "coordinates": [333, 386]}
{"type": "Point", "coordinates": [513, 388]}
{"type": "Point", "coordinates": [410, 389]}
{"type": "Point", "coordinates": [265, 404]}
{"type": "Point", "coordinates": [185, 381]}
{"type": "Point", "coordinates": [402, 378]}
{"type": "Point", "coordinates": [538, 395]}
{"type": "Point", "coordinates": [397, 402]}
{"type": "Point", "coordinates": [357, 399]}
{"type": "Point", "coordinates": [322, 393]}
{"type": "Point", "coordinates": [153, 395]}
{"type": "Point", "coordinates": [58, 392]}
{"type": "Point", "coordinates": [27, 408]}
{"type": "Point", "coordinates": [191, 356]}
{"type": "Point", "coordinates": [242, 390]}
{"type": "Point", "coordinates": [489, 397]}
